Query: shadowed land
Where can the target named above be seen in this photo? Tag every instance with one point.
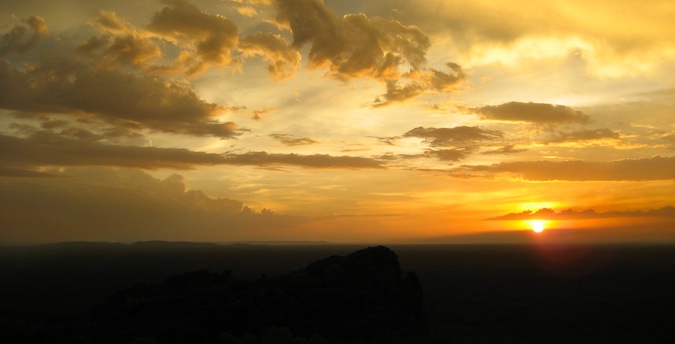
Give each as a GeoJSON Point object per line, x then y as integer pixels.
{"type": "Point", "coordinates": [472, 293]}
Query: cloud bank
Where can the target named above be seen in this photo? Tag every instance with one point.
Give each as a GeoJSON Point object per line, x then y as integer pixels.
{"type": "Point", "coordinates": [570, 214]}
{"type": "Point", "coordinates": [656, 168]}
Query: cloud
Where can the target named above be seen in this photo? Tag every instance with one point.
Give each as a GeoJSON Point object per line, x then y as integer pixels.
{"type": "Point", "coordinates": [508, 149]}
{"type": "Point", "coordinates": [421, 81]}
{"type": "Point", "coordinates": [290, 140]}
{"type": "Point", "coordinates": [353, 46]}
{"type": "Point", "coordinates": [18, 40]}
{"type": "Point", "coordinates": [212, 37]}
{"type": "Point", "coordinates": [50, 149]}
{"type": "Point", "coordinates": [614, 39]}
{"type": "Point", "coordinates": [656, 168]}
{"type": "Point", "coordinates": [585, 135]}
{"type": "Point", "coordinates": [356, 46]}
{"type": "Point", "coordinates": [311, 161]}
{"type": "Point", "coordinates": [457, 136]}
{"type": "Point", "coordinates": [62, 85]}
{"type": "Point", "coordinates": [257, 114]}
{"type": "Point", "coordinates": [105, 204]}
{"type": "Point", "coordinates": [540, 113]}
{"type": "Point", "coordinates": [570, 214]}
{"type": "Point", "coordinates": [121, 43]}
{"type": "Point", "coordinates": [283, 59]}
{"type": "Point", "coordinates": [21, 173]}
{"type": "Point", "coordinates": [81, 148]}
{"type": "Point", "coordinates": [449, 154]}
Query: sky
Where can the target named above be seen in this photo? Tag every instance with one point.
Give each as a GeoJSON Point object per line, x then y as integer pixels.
{"type": "Point", "coordinates": [347, 121]}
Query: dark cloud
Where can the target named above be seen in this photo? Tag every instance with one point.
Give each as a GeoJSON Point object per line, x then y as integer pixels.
{"type": "Point", "coordinates": [76, 147]}
{"type": "Point", "coordinates": [18, 40]}
{"type": "Point", "coordinates": [104, 204]}
{"type": "Point", "coordinates": [290, 140]}
{"type": "Point", "coordinates": [656, 168]}
{"type": "Point", "coordinates": [61, 85]}
{"type": "Point", "coordinates": [457, 136]}
{"type": "Point", "coordinates": [354, 45]}
{"type": "Point", "coordinates": [312, 161]}
{"type": "Point", "coordinates": [49, 149]}
{"type": "Point", "coordinates": [540, 113]}
{"type": "Point", "coordinates": [358, 46]}
{"type": "Point", "coordinates": [213, 37]}
{"type": "Point", "coordinates": [508, 149]}
{"type": "Point", "coordinates": [549, 214]}
{"type": "Point", "coordinates": [449, 154]}
{"type": "Point", "coordinates": [585, 135]}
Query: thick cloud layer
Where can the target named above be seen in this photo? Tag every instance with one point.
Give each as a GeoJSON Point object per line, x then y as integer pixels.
{"type": "Point", "coordinates": [313, 161]}
{"type": "Point", "coordinates": [45, 148]}
{"type": "Point", "coordinates": [101, 204]}
{"type": "Point", "coordinates": [18, 40]}
{"type": "Point", "coordinates": [62, 85]}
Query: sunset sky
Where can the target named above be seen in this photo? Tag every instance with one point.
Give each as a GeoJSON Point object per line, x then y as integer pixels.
{"type": "Point", "coordinates": [341, 120]}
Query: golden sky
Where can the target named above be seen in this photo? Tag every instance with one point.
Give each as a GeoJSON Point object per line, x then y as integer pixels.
{"type": "Point", "coordinates": [343, 120]}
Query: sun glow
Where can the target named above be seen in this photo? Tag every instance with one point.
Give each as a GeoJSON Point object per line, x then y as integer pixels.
{"type": "Point", "coordinates": [538, 226]}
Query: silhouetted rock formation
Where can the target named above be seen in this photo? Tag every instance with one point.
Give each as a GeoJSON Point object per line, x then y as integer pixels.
{"type": "Point", "coordinates": [361, 297]}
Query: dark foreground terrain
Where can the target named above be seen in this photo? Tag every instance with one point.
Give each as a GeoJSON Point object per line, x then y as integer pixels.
{"type": "Point", "coordinates": [471, 294]}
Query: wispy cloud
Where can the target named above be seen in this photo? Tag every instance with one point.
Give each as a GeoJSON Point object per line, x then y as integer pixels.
{"type": "Point", "coordinates": [656, 168]}
{"type": "Point", "coordinates": [570, 214]}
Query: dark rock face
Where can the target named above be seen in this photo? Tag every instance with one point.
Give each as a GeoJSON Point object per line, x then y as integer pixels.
{"type": "Point", "coordinates": [361, 297]}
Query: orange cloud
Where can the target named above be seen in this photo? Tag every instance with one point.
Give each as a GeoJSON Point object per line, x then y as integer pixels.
{"type": "Point", "coordinates": [213, 37]}
{"type": "Point", "coordinates": [656, 168]}
{"type": "Point", "coordinates": [570, 214]}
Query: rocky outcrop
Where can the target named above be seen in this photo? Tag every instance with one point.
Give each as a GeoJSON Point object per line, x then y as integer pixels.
{"type": "Point", "coordinates": [361, 297]}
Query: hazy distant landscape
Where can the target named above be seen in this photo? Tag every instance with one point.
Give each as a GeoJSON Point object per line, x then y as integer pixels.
{"type": "Point", "coordinates": [472, 293]}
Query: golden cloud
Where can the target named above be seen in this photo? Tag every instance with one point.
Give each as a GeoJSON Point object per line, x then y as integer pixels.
{"type": "Point", "coordinates": [656, 168]}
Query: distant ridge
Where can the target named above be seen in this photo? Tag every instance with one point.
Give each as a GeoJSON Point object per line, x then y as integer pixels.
{"type": "Point", "coordinates": [164, 243]}
{"type": "Point", "coordinates": [82, 244]}
{"type": "Point", "coordinates": [174, 243]}
{"type": "Point", "coordinates": [279, 242]}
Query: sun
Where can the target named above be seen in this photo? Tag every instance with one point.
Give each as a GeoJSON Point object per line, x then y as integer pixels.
{"type": "Point", "coordinates": [538, 226]}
